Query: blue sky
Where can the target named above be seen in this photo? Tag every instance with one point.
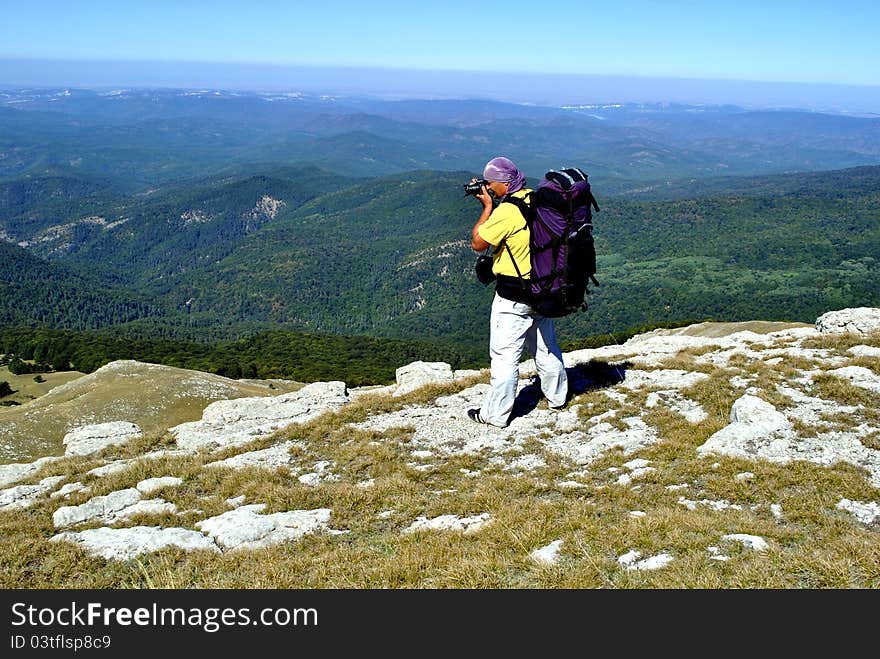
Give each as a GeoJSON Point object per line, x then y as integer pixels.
{"type": "Point", "coordinates": [770, 41]}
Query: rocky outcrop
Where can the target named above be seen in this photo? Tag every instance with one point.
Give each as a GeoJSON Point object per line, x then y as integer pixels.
{"type": "Point", "coordinates": [127, 543]}
{"type": "Point", "coordinates": [18, 471]}
{"type": "Point", "coordinates": [861, 320]}
{"type": "Point", "coordinates": [151, 396]}
{"type": "Point", "coordinates": [97, 437]}
{"type": "Point", "coordinates": [236, 422]}
{"type": "Point", "coordinates": [417, 374]}
{"type": "Point", "coordinates": [247, 528]}
{"type": "Point", "coordinates": [629, 382]}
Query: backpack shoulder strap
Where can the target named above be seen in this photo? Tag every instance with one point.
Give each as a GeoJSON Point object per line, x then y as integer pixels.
{"type": "Point", "coordinates": [526, 210]}
{"type": "Point", "coordinates": [523, 204]}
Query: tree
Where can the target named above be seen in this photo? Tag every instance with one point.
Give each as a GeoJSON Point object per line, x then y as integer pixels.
{"type": "Point", "coordinates": [5, 389]}
{"type": "Point", "coordinates": [18, 367]}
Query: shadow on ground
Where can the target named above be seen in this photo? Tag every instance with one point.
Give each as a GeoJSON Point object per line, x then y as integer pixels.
{"type": "Point", "coordinates": [581, 378]}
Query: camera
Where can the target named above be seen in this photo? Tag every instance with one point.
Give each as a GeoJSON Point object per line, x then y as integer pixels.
{"type": "Point", "coordinates": [475, 188]}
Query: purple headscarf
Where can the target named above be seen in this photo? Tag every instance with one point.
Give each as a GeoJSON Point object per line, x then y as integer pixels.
{"type": "Point", "coordinates": [503, 170]}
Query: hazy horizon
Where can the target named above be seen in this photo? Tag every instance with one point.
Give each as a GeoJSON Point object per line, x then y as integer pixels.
{"type": "Point", "coordinates": [390, 83]}
{"type": "Point", "coordinates": [820, 55]}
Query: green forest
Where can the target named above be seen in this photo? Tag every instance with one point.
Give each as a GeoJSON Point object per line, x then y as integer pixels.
{"type": "Point", "coordinates": [356, 360]}
{"type": "Point", "coordinates": [351, 278]}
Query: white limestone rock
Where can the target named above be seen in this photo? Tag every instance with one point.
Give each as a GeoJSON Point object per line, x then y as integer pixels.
{"type": "Point", "coordinates": [585, 447]}
{"type": "Point", "coordinates": [858, 320]}
{"type": "Point", "coordinates": [859, 376]}
{"type": "Point", "coordinates": [127, 543]}
{"type": "Point", "coordinates": [525, 463]}
{"type": "Point", "coordinates": [96, 437]}
{"type": "Point", "coordinates": [759, 431]}
{"type": "Point", "coordinates": [145, 507]}
{"type": "Point", "coordinates": [95, 508]}
{"type": "Point", "coordinates": [236, 502]}
{"type": "Point", "coordinates": [274, 457]}
{"type": "Point", "coordinates": [670, 378]}
{"type": "Point", "coordinates": [418, 374]}
{"type": "Point", "coordinates": [246, 528]}
{"type": "Point", "coordinates": [867, 513]}
{"type": "Point", "coordinates": [865, 351]}
{"type": "Point", "coordinates": [321, 471]}
{"type": "Point", "coordinates": [692, 411]}
{"type": "Point", "coordinates": [66, 490]}
{"type": "Point", "coordinates": [716, 555]}
{"type": "Point", "coordinates": [24, 496]}
{"type": "Point", "coordinates": [722, 504]}
{"type": "Point", "coordinates": [626, 479]}
{"type": "Point", "coordinates": [631, 562]}
{"type": "Point", "coordinates": [754, 542]}
{"type": "Point", "coordinates": [18, 471]}
{"type": "Point", "coordinates": [629, 557]}
{"type": "Point", "coordinates": [242, 420]}
{"type": "Point", "coordinates": [755, 423]}
{"type": "Point", "coordinates": [150, 485]}
{"type": "Point", "coordinates": [547, 555]}
{"type": "Point", "coordinates": [450, 523]}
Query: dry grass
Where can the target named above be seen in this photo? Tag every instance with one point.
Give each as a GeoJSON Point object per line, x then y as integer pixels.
{"type": "Point", "coordinates": [842, 342]}
{"type": "Point", "coordinates": [154, 397]}
{"type": "Point", "coordinates": [838, 389]}
{"type": "Point", "coordinates": [27, 389]}
{"type": "Point", "coordinates": [812, 544]}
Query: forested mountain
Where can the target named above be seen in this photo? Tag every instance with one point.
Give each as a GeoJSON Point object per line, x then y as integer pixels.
{"type": "Point", "coordinates": [142, 238]}
{"type": "Point", "coordinates": [357, 360]}
{"type": "Point", "coordinates": [390, 256]}
{"type": "Point", "coordinates": [37, 293]}
{"type": "Point", "coordinates": [218, 216]}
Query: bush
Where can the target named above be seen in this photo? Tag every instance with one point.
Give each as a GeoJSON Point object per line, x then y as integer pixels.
{"type": "Point", "coordinates": [5, 389]}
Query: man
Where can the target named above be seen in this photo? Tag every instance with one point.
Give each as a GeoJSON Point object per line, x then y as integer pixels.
{"type": "Point", "coordinates": [514, 325]}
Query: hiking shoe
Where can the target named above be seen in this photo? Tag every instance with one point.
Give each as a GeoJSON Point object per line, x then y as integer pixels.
{"type": "Point", "coordinates": [474, 415]}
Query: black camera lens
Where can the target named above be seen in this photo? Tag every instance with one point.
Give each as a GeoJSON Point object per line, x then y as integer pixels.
{"type": "Point", "coordinates": [475, 188]}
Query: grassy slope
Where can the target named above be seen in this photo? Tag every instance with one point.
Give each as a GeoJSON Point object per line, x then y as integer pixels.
{"type": "Point", "coordinates": [813, 545]}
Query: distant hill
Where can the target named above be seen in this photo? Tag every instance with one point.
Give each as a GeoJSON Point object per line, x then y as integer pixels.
{"type": "Point", "coordinates": [833, 184]}
{"type": "Point", "coordinates": [154, 396]}
{"type": "Point", "coordinates": [142, 138]}
{"type": "Point", "coordinates": [35, 292]}
{"type": "Point", "coordinates": [389, 256]}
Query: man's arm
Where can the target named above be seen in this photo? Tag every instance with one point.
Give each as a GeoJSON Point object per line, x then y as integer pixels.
{"type": "Point", "coordinates": [477, 243]}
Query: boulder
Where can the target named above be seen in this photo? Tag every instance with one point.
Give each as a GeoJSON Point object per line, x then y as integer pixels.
{"type": "Point", "coordinates": [93, 438]}
{"type": "Point", "coordinates": [418, 374]}
{"type": "Point", "coordinates": [235, 422]}
{"type": "Point", "coordinates": [859, 320]}
{"type": "Point", "coordinates": [125, 544]}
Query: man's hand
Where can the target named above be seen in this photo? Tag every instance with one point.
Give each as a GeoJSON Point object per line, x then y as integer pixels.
{"type": "Point", "coordinates": [485, 197]}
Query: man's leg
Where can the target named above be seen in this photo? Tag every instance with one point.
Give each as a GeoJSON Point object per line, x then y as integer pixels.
{"type": "Point", "coordinates": [509, 323]}
{"type": "Point", "coordinates": [548, 362]}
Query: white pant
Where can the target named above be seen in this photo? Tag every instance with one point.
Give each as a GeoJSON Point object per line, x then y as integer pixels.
{"type": "Point", "coordinates": [514, 326]}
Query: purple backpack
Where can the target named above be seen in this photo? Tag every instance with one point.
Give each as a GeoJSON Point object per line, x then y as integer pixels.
{"type": "Point", "coordinates": [563, 257]}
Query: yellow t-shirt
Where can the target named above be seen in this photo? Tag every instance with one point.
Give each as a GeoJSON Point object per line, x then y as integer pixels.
{"type": "Point", "coordinates": [507, 223]}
